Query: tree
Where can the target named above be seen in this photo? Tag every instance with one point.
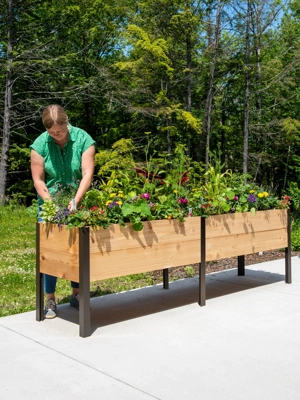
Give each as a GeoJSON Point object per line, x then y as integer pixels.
{"type": "Point", "coordinates": [206, 127]}
{"type": "Point", "coordinates": [57, 54]}
{"type": "Point", "coordinates": [7, 103]}
{"type": "Point", "coordinates": [247, 88]}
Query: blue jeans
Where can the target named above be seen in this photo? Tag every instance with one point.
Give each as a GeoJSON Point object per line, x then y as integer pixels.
{"type": "Point", "coordinates": [49, 280]}
{"type": "Point", "coordinates": [50, 284]}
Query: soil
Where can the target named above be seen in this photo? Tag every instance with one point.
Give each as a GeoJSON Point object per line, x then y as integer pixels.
{"type": "Point", "coordinates": [225, 263]}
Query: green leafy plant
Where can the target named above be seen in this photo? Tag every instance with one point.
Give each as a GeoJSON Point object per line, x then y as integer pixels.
{"type": "Point", "coordinates": [161, 189]}
{"type": "Point", "coordinates": [49, 210]}
{"type": "Point", "coordinates": [293, 192]}
{"type": "Point", "coordinates": [63, 194]}
{"type": "Point", "coordinates": [189, 270]}
{"type": "Point", "coordinates": [295, 236]}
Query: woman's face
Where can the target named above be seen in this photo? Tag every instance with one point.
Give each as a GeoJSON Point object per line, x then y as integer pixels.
{"type": "Point", "coordinates": [60, 133]}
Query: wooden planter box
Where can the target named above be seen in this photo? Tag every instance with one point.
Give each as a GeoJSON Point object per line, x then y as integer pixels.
{"type": "Point", "coordinates": [84, 255]}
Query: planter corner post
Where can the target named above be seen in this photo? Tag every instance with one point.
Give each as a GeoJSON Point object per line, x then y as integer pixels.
{"type": "Point", "coordinates": [39, 278]}
{"type": "Point", "coordinates": [288, 249]}
{"type": "Point", "coordinates": [84, 282]}
{"type": "Point", "coordinates": [202, 265]}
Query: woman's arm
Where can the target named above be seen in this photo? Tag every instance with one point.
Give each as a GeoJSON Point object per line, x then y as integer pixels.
{"type": "Point", "coordinates": [87, 166]}
{"type": "Point", "coordinates": [38, 175]}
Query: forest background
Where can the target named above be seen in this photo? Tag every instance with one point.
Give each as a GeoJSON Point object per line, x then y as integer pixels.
{"type": "Point", "coordinates": [212, 75]}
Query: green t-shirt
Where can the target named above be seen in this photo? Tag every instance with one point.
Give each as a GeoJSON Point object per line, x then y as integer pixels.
{"type": "Point", "coordinates": [62, 167]}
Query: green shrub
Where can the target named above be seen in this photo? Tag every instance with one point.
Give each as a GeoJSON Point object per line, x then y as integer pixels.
{"type": "Point", "coordinates": [295, 236]}
{"type": "Point", "coordinates": [294, 192]}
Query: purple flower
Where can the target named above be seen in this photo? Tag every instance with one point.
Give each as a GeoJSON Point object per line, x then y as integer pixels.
{"type": "Point", "coordinates": [251, 198]}
{"type": "Point", "coordinates": [146, 196]}
{"type": "Point", "coordinates": [236, 198]}
{"type": "Point", "coordinates": [66, 212]}
{"type": "Point", "coordinates": [182, 200]}
{"type": "Point", "coordinates": [113, 204]}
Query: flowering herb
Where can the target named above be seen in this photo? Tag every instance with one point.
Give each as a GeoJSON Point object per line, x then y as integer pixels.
{"type": "Point", "coordinates": [251, 198]}
{"type": "Point", "coordinates": [182, 200]}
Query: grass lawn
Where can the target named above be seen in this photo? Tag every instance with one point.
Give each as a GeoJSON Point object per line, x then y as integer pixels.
{"type": "Point", "coordinates": [17, 266]}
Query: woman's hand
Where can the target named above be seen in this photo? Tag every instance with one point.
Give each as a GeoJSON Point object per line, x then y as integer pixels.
{"type": "Point", "coordinates": [72, 205]}
{"type": "Point", "coordinates": [38, 175]}
{"type": "Point", "coordinates": [87, 166]}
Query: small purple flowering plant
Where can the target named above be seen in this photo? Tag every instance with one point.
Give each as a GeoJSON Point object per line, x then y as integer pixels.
{"type": "Point", "coordinates": [56, 210]}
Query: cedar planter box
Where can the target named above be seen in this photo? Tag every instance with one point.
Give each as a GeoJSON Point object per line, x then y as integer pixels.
{"type": "Point", "coordinates": [84, 255]}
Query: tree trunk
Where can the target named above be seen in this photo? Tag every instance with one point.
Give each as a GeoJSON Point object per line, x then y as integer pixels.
{"type": "Point", "coordinates": [168, 124]}
{"type": "Point", "coordinates": [206, 127]}
{"type": "Point", "coordinates": [7, 107]}
{"type": "Point", "coordinates": [189, 81]}
{"type": "Point", "coordinates": [169, 141]}
{"type": "Point", "coordinates": [286, 168]}
{"type": "Point", "coordinates": [247, 93]}
{"type": "Point", "coordinates": [223, 137]}
{"type": "Point", "coordinates": [258, 64]}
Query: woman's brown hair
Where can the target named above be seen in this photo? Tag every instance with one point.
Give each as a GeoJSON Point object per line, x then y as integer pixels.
{"type": "Point", "coordinates": [54, 114]}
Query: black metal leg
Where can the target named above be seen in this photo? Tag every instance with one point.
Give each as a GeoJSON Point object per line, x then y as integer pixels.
{"type": "Point", "coordinates": [241, 265]}
{"type": "Point", "coordinates": [39, 297]}
{"type": "Point", "coordinates": [202, 265]}
{"type": "Point", "coordinates": [166, 278]}
{"type": "Point", "coordinates": [84, 283]}
{"type": "Point", "coordinates": [288, 254]}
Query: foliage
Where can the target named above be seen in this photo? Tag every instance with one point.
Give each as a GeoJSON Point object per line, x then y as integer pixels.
{"type": "Point", "coordinates": [189, 270]}
{"type": "Point", "coordinates": [163, 191]}
{"type": "Point", "coordinates": [117, 158]}
{"type": "Point", "coordinates": [295, 235]}
{"type": "Point", "coordinates": [58, 205]}
{"type": "Point", "coordinates": [294, 192]}
{"type": "Point", "coordinates": [122, 70]}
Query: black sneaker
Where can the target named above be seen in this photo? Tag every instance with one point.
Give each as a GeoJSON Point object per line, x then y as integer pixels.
{"type": "Point", "coordinates": [74, 301]}
{"type": "Point", "coordinates": [50, 309]}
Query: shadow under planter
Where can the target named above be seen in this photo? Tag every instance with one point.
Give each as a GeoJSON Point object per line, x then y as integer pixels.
{"type": "Point", "coordinates": [85, 254]}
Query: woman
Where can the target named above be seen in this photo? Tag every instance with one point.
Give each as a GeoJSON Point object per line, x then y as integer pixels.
{"type": "Point", "coordinates": [61, 155]}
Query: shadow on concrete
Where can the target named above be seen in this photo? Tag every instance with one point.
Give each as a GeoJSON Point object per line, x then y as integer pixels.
{"type": "Point", "coordinates": [115, 308]}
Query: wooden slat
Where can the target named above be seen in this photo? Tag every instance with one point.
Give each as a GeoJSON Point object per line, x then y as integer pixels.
{"type": "Point", "coordinates": [143, 259]}
{"type": "Point", "coordinates": [59, 239]}
{"type": "Point", "coordinates": [239, 223]}
{"type": "Point", "coordinates": [247, 243]}
{"type": "Point", "coordinates": [116, 237]}
{"type": "Point", "coordinates": [61, 268]}
{"type": "Point", "coordinates": [59, 251]}
{"type": "Point", "coordinates": [121, 251]}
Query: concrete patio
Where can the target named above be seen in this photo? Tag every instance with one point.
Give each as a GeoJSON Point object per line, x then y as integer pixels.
{"type": "Point", "coordinates": [152, 343]}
